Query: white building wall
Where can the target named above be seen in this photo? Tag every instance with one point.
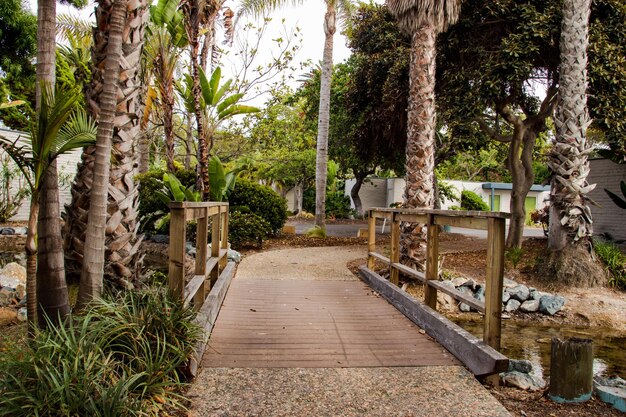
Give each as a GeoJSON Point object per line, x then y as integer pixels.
{"type": "Point", "coordinates": [607, 218]}
{"type": "Point", "coordinates": [67, 165]}
{"type": "Point", "coordinates": [373, 192]}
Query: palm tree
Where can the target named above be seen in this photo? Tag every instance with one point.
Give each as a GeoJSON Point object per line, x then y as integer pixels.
{"type": "Point", "coordinates": [91, 278]}
{"type": "Point", "coordinates": [122, 242]}
{"type": "Point", "coordinates": [423, 20]}
{"type": "Point", "coordinates": [335, 9]}
{"type": "Point", "coordinates": [60, 128]}
{"type": "Point", "coordinates": [570, 214]}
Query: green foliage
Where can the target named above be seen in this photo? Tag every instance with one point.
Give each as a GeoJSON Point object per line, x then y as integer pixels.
{"type": "Point", "coordinates": [10, 199]}
{"type": "Point", "coordinates": [221, 183]}
{"type": "Point", "coordinates": [514, 256]}
{"type": "Point", "coordinates": [151, 206]}
{"type": "Point", "coordinates": [260, 200]}
{"type": "Point", "coordinates": [121, 358]}
{"type": "Point", "coordinates": [446, 191]}
{"type": "Point", "coordinates": [173, 190]}
{"type": "Point", "coordinates": [614, 260]}
{"type": "Point", "coordinates": [317, 232]}
{"type": "Point", "coordinates": [245, 228]}
{"type": "Point", "coordinates": [472, 202]}
{"type": "Point", "coordinates": [620, 202]}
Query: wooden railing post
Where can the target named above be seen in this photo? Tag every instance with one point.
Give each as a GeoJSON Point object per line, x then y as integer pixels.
{"type": "Point", "coordinates": [178, 238]}
{"type": "Point", "coordinates": [202, 238]}
{"type": "Point", "coordinates": [394, 274]}
{"type": "Point", "coordinates": [432, 262]}
{"type": "Point", "coordinates": [215, 244]}
{"type": "Point", "coordinates": [371, 238]}
{"type": "Point", "coordinates": [224, 237]}
{"type": "Point", "coordinates": [495, 275]}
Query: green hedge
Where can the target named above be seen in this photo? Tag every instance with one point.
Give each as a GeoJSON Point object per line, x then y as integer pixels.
{"type": "Point", "coordinates": [260, 200]}
{"type": "Point", "coordinates": [247, 229]}
{"type": "Point", "coordinates": [472, 201]}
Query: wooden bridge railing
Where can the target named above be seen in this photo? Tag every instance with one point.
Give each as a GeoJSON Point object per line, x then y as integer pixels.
{"type": "Point", "coordinates": [494, 223]}
{"type": "Point", "coordinates": [210, 260]}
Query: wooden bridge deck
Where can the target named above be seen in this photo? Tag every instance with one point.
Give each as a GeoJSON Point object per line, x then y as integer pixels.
{"type": "Point", "coordinates": [267, 323]}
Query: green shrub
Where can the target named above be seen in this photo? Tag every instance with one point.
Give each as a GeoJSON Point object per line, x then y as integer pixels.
{"type": "Point", "coordinates": [260, 200]}
{"type": "Point", "coordinates": [247, 228]}
{"type": "Point", "coordinates": [121, 358]}
{"type": "Point", "coordinates": [614, 260]}
{"type": "Point", "coordinates": [337, 203]}
{"type": "Point", "coordinates": [514, 256]}
{"type": "Point", "coordinates": [317, 232]}
{"type": "Point", "coordinates": [472, 202]}
{"type": "Point", "coordinates": [151, 207]}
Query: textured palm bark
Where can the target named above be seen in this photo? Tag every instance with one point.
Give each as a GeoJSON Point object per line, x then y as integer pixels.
{"type": "Point", "coordinates": [31, 263]}
{"type": "Point", "coordinates": [91, 280]}
{"type": "Point", "coordinates": [51, 293]}
{"type": "Point", "coordinates": [321, 157]}
{"type": "Point", "coordinates": [570, 216]}
{"type": "Point", "coordinates": [420, 146]}
{"type": "Point", "coordinates": [122, 260]}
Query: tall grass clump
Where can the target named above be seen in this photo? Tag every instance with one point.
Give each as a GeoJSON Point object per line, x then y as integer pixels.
{"type": "Point", "coordinates": [122, 357]}
{"type": "Point", "coordinates": [614, 260]}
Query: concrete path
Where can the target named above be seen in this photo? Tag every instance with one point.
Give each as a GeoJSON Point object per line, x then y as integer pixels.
{"type": "Point", "coordinates": [259, 389]}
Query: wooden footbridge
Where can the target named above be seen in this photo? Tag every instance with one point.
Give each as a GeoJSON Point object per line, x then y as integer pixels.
{"type": "Point", "coordinates": [275, 321]}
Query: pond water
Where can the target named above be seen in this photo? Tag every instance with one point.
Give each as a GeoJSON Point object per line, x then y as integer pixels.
{"type": "Point", "coordinates": [532, 342]}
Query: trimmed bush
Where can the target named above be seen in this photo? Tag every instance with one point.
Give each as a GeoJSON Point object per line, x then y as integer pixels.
{"type": "Point", "coordinates": [472, 202]}
{"type": "Point", "coordinates": [247, 229]}
{"type": "Point", "coordinates": [614, 261]}
{"type": "Point", "coordinates": [337, 203]}
{"type": "Point", "coordinates": [121, 358]}
{"type": "Point", "coordinates": [260, 200]}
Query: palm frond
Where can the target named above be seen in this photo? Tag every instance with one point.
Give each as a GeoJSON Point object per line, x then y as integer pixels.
{"type": "Point", "coordinates": [257, 8]}
{"type": "Point", "coordinates": [78, 132]}
{"type": "Point", "coordinates": [412, 14]}
{"type": "Point", "coordinates": [21, 154]}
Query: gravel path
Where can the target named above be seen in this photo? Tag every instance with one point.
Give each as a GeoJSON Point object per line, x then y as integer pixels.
{"type": "Point", "coordinates": [384, 391]}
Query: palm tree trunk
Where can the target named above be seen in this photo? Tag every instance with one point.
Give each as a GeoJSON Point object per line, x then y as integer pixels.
{"type": "Point", "coordinates": [321, 159]}
{"type": "Point", "coordinates": [122, 242]}
{"type": "Point", "coordinates": [420, 146]}
{"type": "Point", "coordinates": [31, 263]}
{"type": "Point", "coordinates": [91, 280]}
{"type": "Point", "coordinates": [51, 293]}
{"type": "Point", "coordinates": [570, 216]}
{"type": "Point", "coordinates": [52, 296]}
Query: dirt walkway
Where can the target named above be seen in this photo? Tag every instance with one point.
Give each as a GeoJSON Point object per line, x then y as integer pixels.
{"type": "Point", "coordinates": [376, 391]}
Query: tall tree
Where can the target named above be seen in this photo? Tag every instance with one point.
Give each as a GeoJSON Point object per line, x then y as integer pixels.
{"type": "Point", "coordinates": [335, 10]}
{"type": "Point", "coordinates": [92, 276]}
{"type": "Point", "coordinates": [122, 241]}
{"type": "Point", "coordinates": [570, 214]}
{"type": "Point", "coordinates": [423, 20]}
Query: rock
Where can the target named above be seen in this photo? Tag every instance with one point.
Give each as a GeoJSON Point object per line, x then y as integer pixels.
{"type": "Point", "coordinates": [519, 292]}
{"type": "Point", "coordinates": [20, 230]}
{"type": "Point", "coordinates": [458, 282]}
{"type": "Point", "coordinates": [470, 283]}
{"type": "Point", "coordinates": [464, 308]}
{"type": "Point", "coordinates": [234, 256]}
{"type": "Point", "coordinates": [536, 294]}
{"type": "Point", "coordinates": [13, 270]}
{"type": "Point", "coordinates": [190, 249]}
{"type": "Point", "coordinates": [160, 239]}
{"type": "Point", "coordinates": [7, 231]}
{"type": "Point", "coordinates": [480, 293]}
{"type": "Point", "coordinates": [22, 314]}
{"type": "Point", "coordinates": [7, 315]}
{"type": "Point", "coordinates": [445, 302]}
{"type": "Point", "coordinates": [7, 296]}
{"type": "Point", "coordinates": [448, 283]}
{"type": "Point", "coordinates": [512, 305]}
{"type": "Point", "coordinates": [530, 306]}
{"type": "Point", "coordinates": [509, 283]}
{"type": "Point", "coordinates": [523, 381]}
{"type": "Point", "coordinates": [551, 304]}
{"type": "Point", "coordinates": [520, 365]}
{"type": "Point", "coordinates": [505, 296]}
{"type": "Point", "coordinates": [609, 382]}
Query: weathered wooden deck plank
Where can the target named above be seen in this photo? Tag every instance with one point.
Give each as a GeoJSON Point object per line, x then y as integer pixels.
{"type": "Point", "coordinates": [315, 324]}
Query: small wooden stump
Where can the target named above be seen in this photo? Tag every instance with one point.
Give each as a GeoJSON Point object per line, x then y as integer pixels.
{"type": "Point", "coordinates": [571, 370]}
{"type": "Point", "coordinates": [289, 230]}
{"type": "Point", "coordinates": [362, 233]}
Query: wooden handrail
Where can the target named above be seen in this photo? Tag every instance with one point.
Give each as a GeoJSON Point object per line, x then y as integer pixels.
{"type": "Point", "coordinates": [207, 265]}
{"type": "Point", "coordinates": [493, 222]}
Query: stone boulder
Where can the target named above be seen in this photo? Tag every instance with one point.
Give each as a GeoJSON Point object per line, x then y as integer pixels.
{"type": "Point", "coordinates": [512, 305]}
{"type": "Point", "coordinates": [529, 306]}
{"type": "Point", "coordinates": [7, 231]}
{"type": "Point", "coordinates": [13, 270]}
{"type": "Point", "coordinates": [7, 296]}
{"type": "Point", "coordinates": [520, 365]}
{"type": "Point", "coordinates": [520, 292]}
{"type": "Point", "coordinates": [7, 315]}
{"type": "Point", "coordinates": [523, 381]}
{"type": "Point", "coordinates": [551, 304]}
{"type": "Point", "coordinates": [505, 296]}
